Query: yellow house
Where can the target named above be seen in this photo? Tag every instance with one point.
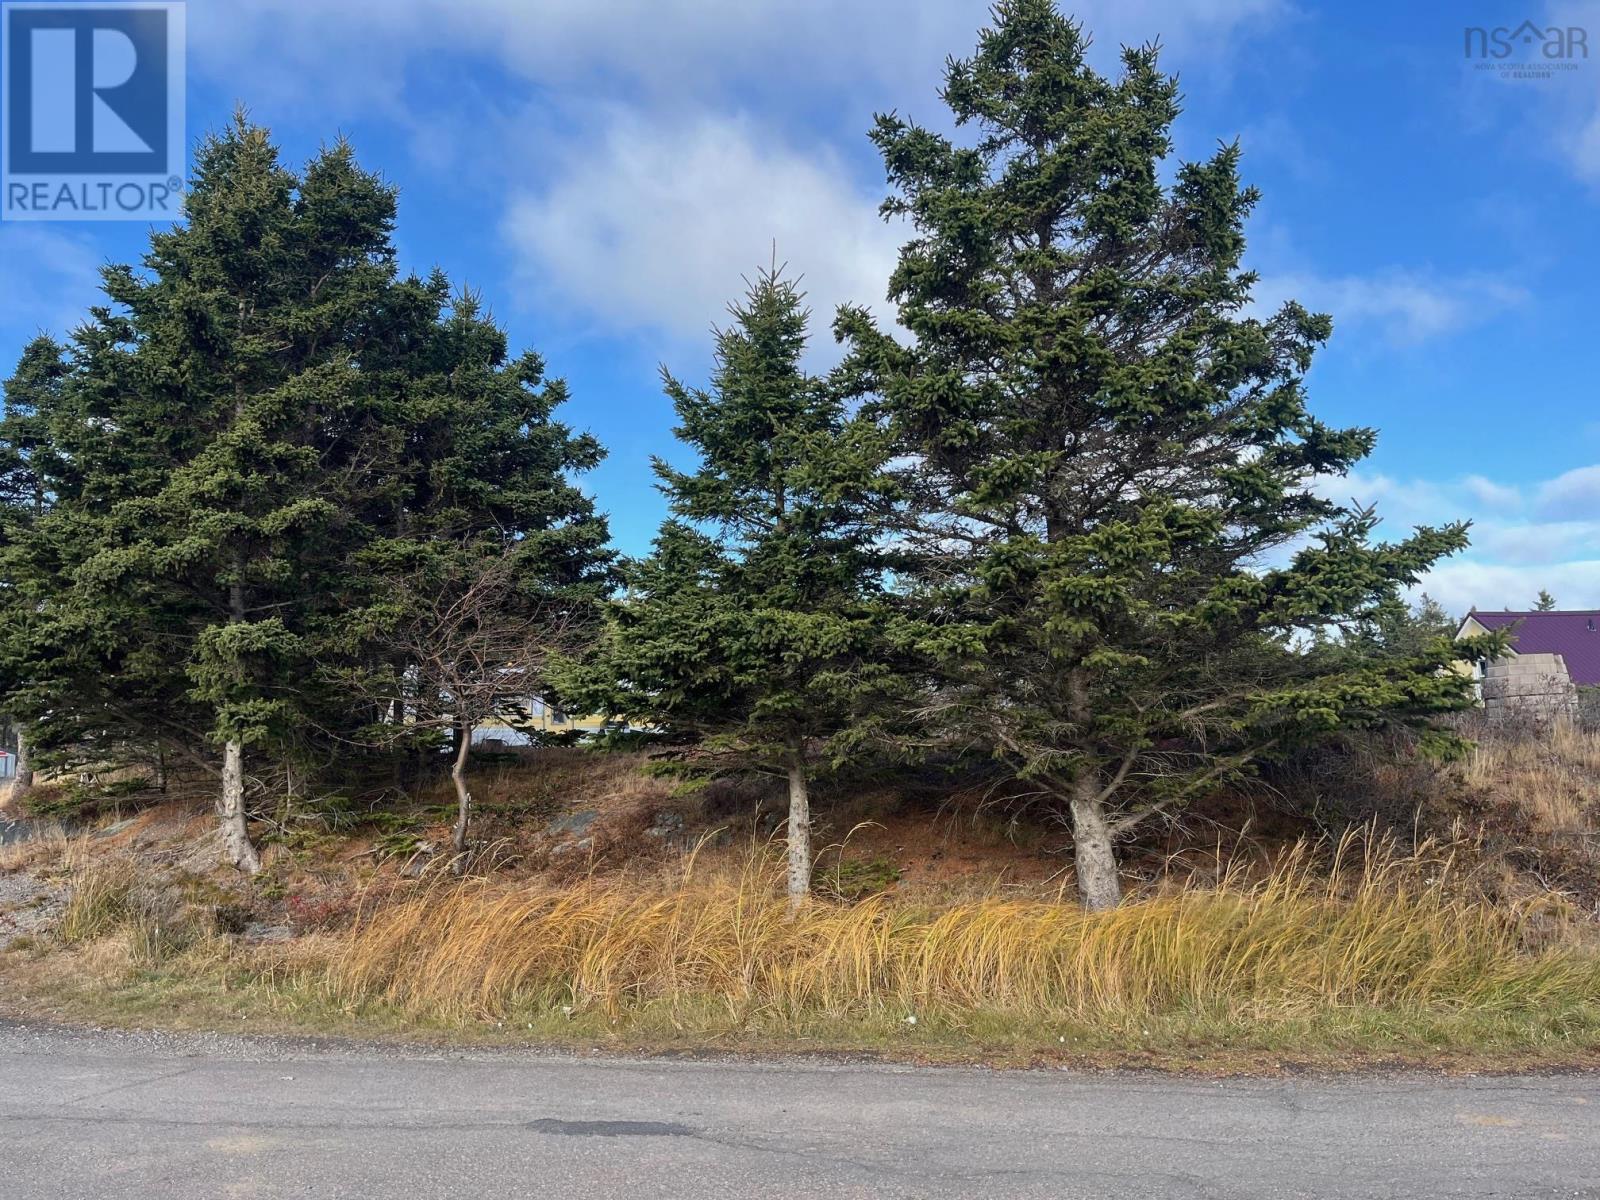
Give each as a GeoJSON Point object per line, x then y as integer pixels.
{"type": "Point", "coordinates": [543, 718]}
{"type": "Point", "coordinates": [1552, 654]}
{"type": "Point", "coordinates": [1573, 636]}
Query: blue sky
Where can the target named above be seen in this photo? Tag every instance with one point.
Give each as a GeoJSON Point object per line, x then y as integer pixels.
{"type": "Point", "coordinates": [604, 171]}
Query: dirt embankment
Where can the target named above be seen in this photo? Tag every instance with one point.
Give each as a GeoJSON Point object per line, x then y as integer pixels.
{"type": "Point", "coordinates": [606, 904]}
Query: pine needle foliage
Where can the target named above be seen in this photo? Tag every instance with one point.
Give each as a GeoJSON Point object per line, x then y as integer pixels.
{"type": "Point", "coordinates": [1117, 540]}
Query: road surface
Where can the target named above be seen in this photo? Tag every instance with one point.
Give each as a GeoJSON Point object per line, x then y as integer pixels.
{"type": "Point", "coordinates": [171, 1117]}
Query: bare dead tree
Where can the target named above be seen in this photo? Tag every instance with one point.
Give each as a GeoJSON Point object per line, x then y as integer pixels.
{"type": "Point", "coordinates": [476, 648]}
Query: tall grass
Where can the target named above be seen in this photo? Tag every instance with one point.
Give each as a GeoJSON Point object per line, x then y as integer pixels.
{"type": "Point", "coordinates": [46, 849]}
{"type": "Point", "coordinates": [110, 898]}
{"type": "Point", "coordinates": [1372, 931]}
{"type": "Point", "coordinates": [1548, 774]}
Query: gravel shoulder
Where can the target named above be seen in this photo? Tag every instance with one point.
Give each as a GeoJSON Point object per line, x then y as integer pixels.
{"type": "Point", "coordinates": [28, 907]}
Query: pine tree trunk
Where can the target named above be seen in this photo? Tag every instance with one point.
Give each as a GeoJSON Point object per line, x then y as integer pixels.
{"type": "Point", "coordinates": [235, 836]}
{"type": "Point", "coordinates": [22, 781]}
{"type": "Point", "coordinates": [1093, 855]}
{"type": "Point", "coordinates": [236, 842]}
{"type": "Point", "coordinates": [458, 776]}
{"type": "Point", "coordinates": [1098, 884]}
{"type": "Point", "coordinates": [799, 829]}
{"type": "Point", "coordinates": [397, 706]}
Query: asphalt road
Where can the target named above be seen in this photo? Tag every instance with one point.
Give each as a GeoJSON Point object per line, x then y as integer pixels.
{"type": "Point", "coordinates": [90, 1116]}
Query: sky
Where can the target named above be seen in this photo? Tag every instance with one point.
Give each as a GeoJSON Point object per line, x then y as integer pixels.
{"type": "Point", "coordinates": [606, 172]}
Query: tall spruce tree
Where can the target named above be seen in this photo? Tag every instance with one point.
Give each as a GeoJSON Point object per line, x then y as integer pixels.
{"type": "Point", "coordinates": [212, 508]}
{"type": "Point", "coordinates": [92, 670]}
{"type": "Point", "coordinates": [758, 622]}
{"type": "Point", "coordinates": [86, 672]}
{"type": "Point", "coordinates": [485, 461]}
{"type": "Point", "coordinates": [1115, 543]}
{"type": "Point", "coordinates": [209, 521]}
{"type": "Point", "coordinates": [1397, 628]}
{"type": "Point", "coordinates": [483, 471]}
{"type": "Point", "coordinates": [26, 461]}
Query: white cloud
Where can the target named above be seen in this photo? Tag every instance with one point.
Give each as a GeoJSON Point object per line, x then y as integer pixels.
{"type": "Point", "coordinates": [1574, 494]}
{"type": "Point", "coordinates": [1491, 495]}
{"type": "Point", "coordinates": [1577, 96]}
{"type": "Point", "coordinates": [1511, 557]}
{"type": "Point", "coordinates": [1404, 306]}
{"type": "Point", "coordinates": [1534, 543]}
{"type": "Point", "coordinates": [684, 44]}
{"type": "Point", "coordinates": [356, 52]}
{"type": "Point", "coordinates": [1462, 584]}
{"type": "Point", "coordinates": [1401, 503]}
{"type": "Point", "coordinates": [51, 278]}
{"type": "Point", "coordinates": [652, 226]}
{"type": "Point", "coordinates": [652, 198]}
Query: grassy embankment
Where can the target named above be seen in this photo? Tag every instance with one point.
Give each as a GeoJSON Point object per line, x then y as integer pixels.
{"type": "Point", "coordinates": [1336, 958]}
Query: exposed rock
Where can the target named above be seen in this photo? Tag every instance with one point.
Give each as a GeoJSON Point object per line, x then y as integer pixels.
{"type": "Point", "coordinates": [27, 906]}
{"type": "Point", "coordinates": [261, 931]}
{"type": "Point", "coordinates": [667, 824]}
{"type": "Point", "coordinates": [418, 862]}
{"type": "Point", "coordinates": [575, 823]}
{"type": "Point", "coordinates": [18, 829]}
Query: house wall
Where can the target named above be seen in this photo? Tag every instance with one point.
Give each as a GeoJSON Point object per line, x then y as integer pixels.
{"type": "Point", "coordinates": [1471, 628]}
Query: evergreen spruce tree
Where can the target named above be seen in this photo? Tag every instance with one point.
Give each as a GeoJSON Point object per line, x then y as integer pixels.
{"type": "Point", "coordinates": [1545, 603]}
{"type": "Point", "coordinates": [1390, 628]}
{"type": "Point", "coordinates": [758, 622]}
{"type": "Point", "coordinates": [1408, 630]}
{"type": "Point", "coordinates": [209, 521]}
{"type": "Point", "coordinates": [212, 506]}
{"type": "Point", "coordinates": [1118, 553]}
{"type": "Point", "coordinates": [483, 470]}
{"type": "Point", "coordinates": [92, 670]}
{"type": "Point", "coordinates": [26, 455]}
{"type": "Point", "coordinates": [486, 461]}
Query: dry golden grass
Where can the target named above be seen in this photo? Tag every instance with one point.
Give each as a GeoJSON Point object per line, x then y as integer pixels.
{"type": "Point", "coordinates": [1549, 775]}
{"type": "Point", "coordinates": [1335, 956]}
{"type": "Point", "coordinates": [118, 910]}
{"type": "Point", "coordinates": [568, 777]}
{"type": "Point", "coordinates": [47, 849]}
{"type": "Point", "coordinates": [1371, 931]}
{"type": "Point", "coordinates": [1333, 953]}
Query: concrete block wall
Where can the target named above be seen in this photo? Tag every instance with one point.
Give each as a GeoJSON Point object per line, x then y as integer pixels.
{"type": "Point", "coordinates": [1529, 687]}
